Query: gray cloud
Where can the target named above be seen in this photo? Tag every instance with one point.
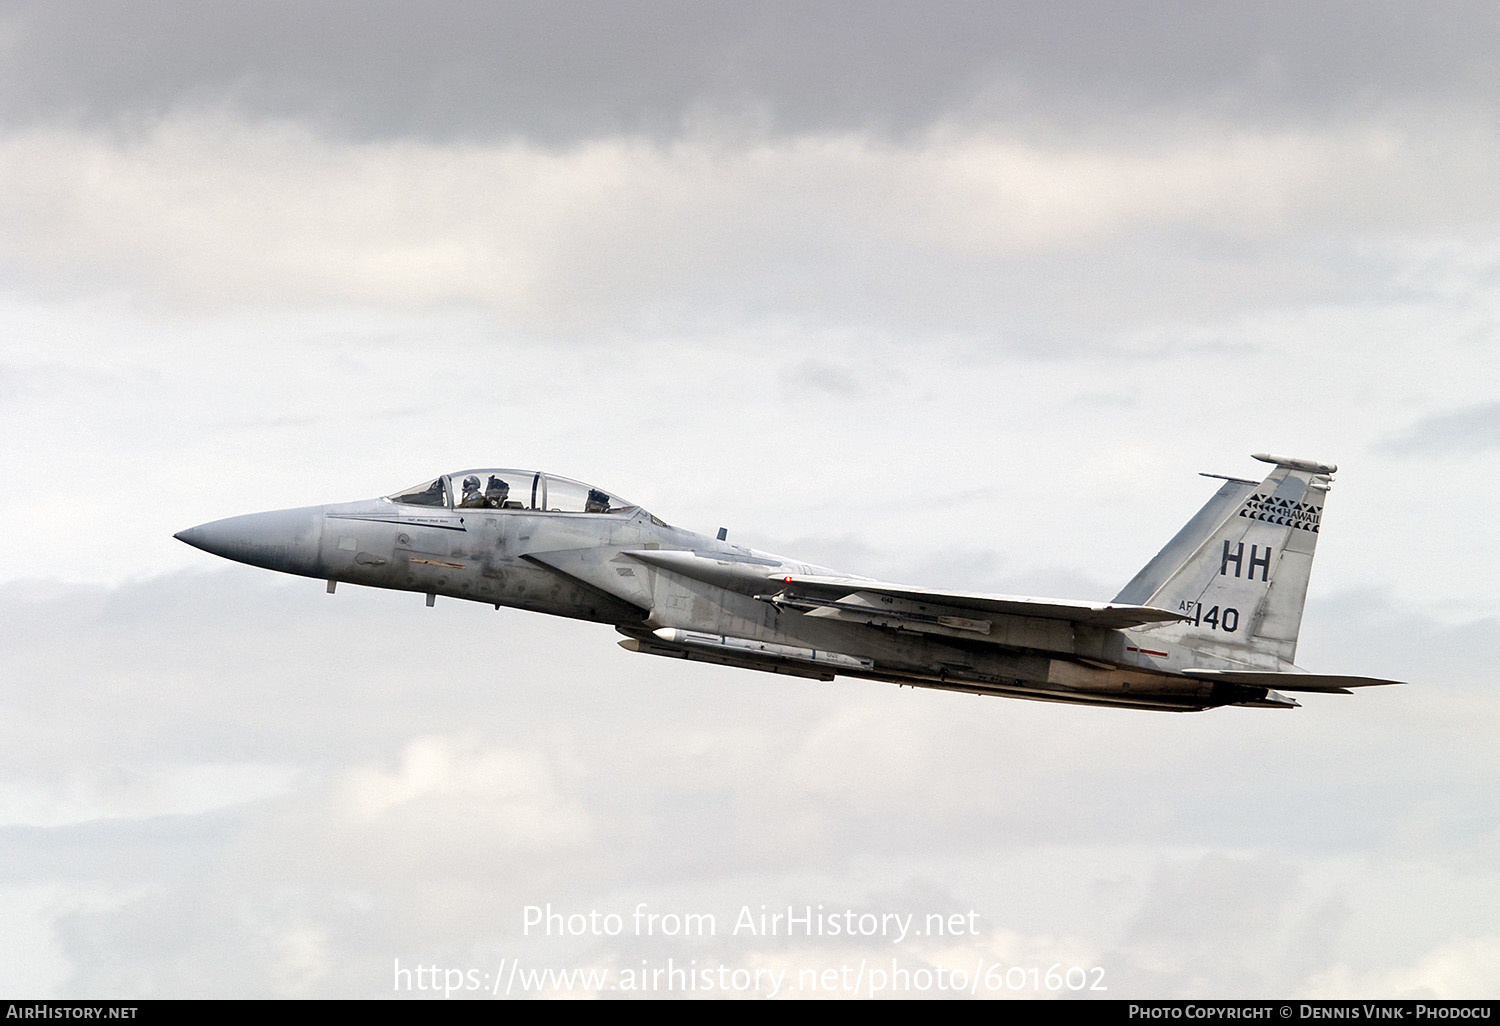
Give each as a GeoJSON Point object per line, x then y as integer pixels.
{"type": "Point", "coordinates": [566, 70]}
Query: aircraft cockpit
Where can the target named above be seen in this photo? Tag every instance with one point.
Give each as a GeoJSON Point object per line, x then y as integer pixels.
{"type": "Point", "coordinates": [501, 489]}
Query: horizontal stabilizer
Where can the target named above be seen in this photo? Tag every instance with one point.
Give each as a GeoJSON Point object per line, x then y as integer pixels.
{"type": "Point", "coordinates": [1329, 683]}
{"type": "Point", "coordinates": [1092, 614]}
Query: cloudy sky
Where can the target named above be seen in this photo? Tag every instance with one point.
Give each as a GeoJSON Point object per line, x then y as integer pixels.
{"type": "Point", "coordinates": [962, 294]}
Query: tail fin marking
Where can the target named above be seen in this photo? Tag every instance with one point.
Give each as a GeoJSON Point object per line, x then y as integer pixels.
{"type": "Point", "coordinates": [1240, 568]}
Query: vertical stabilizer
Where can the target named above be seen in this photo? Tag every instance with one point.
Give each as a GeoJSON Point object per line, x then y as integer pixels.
{"type": "Point", "coordinates": [1244, 582]}
{"type": "Point", "coordinates": [1186, 542]}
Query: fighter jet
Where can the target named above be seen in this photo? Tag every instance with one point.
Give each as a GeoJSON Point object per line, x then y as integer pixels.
{"type": "Point", "coordinates": [1211, 621]}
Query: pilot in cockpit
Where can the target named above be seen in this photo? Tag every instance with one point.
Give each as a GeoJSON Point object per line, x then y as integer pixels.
{"type": "Point", "coordinates": [496, 493]}
{"type": "Point", "coordinates": [472, 499]}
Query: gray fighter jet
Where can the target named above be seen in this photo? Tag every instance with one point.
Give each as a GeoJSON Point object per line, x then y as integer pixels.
{"type": "Point", "coordinates": [1211, 621]}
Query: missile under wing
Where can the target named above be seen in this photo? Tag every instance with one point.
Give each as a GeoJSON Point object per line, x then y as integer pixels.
{"type": "Point", "coordinates": [1211, 621]}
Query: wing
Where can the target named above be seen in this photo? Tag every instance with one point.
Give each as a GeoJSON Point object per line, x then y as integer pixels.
{"type": "Point", "coordinates": [1328, 683]}
{"type": "Point", "coordinates": [1009, 620]}
{"type": "Point", "coordinates": [999, 619]}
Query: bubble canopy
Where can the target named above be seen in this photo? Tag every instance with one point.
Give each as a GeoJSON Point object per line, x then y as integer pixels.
{"type": "Point", "coordinates": [508, 489]}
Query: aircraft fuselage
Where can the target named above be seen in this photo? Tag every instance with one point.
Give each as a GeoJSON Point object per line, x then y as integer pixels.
{"type": "Point", "coordinates": [550, 545]}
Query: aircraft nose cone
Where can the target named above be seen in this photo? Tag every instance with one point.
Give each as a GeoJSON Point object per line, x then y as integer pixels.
{"type": "Point", "coordinates": [286, 539]}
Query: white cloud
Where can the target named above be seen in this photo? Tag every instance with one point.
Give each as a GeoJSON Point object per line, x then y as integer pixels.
{"type": "Point", "coordinates": [202, 211]}
{"type": "Point", "coordinates": [1457, 970]}
{"type": "Point", "coordinates": [509, 796]}
{"type": "Point", "coordinates": [137, 792]}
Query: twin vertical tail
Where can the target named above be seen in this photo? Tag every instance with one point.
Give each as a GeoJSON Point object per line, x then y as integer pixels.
{"type": "Point", "coordinates": [1239, 569]}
